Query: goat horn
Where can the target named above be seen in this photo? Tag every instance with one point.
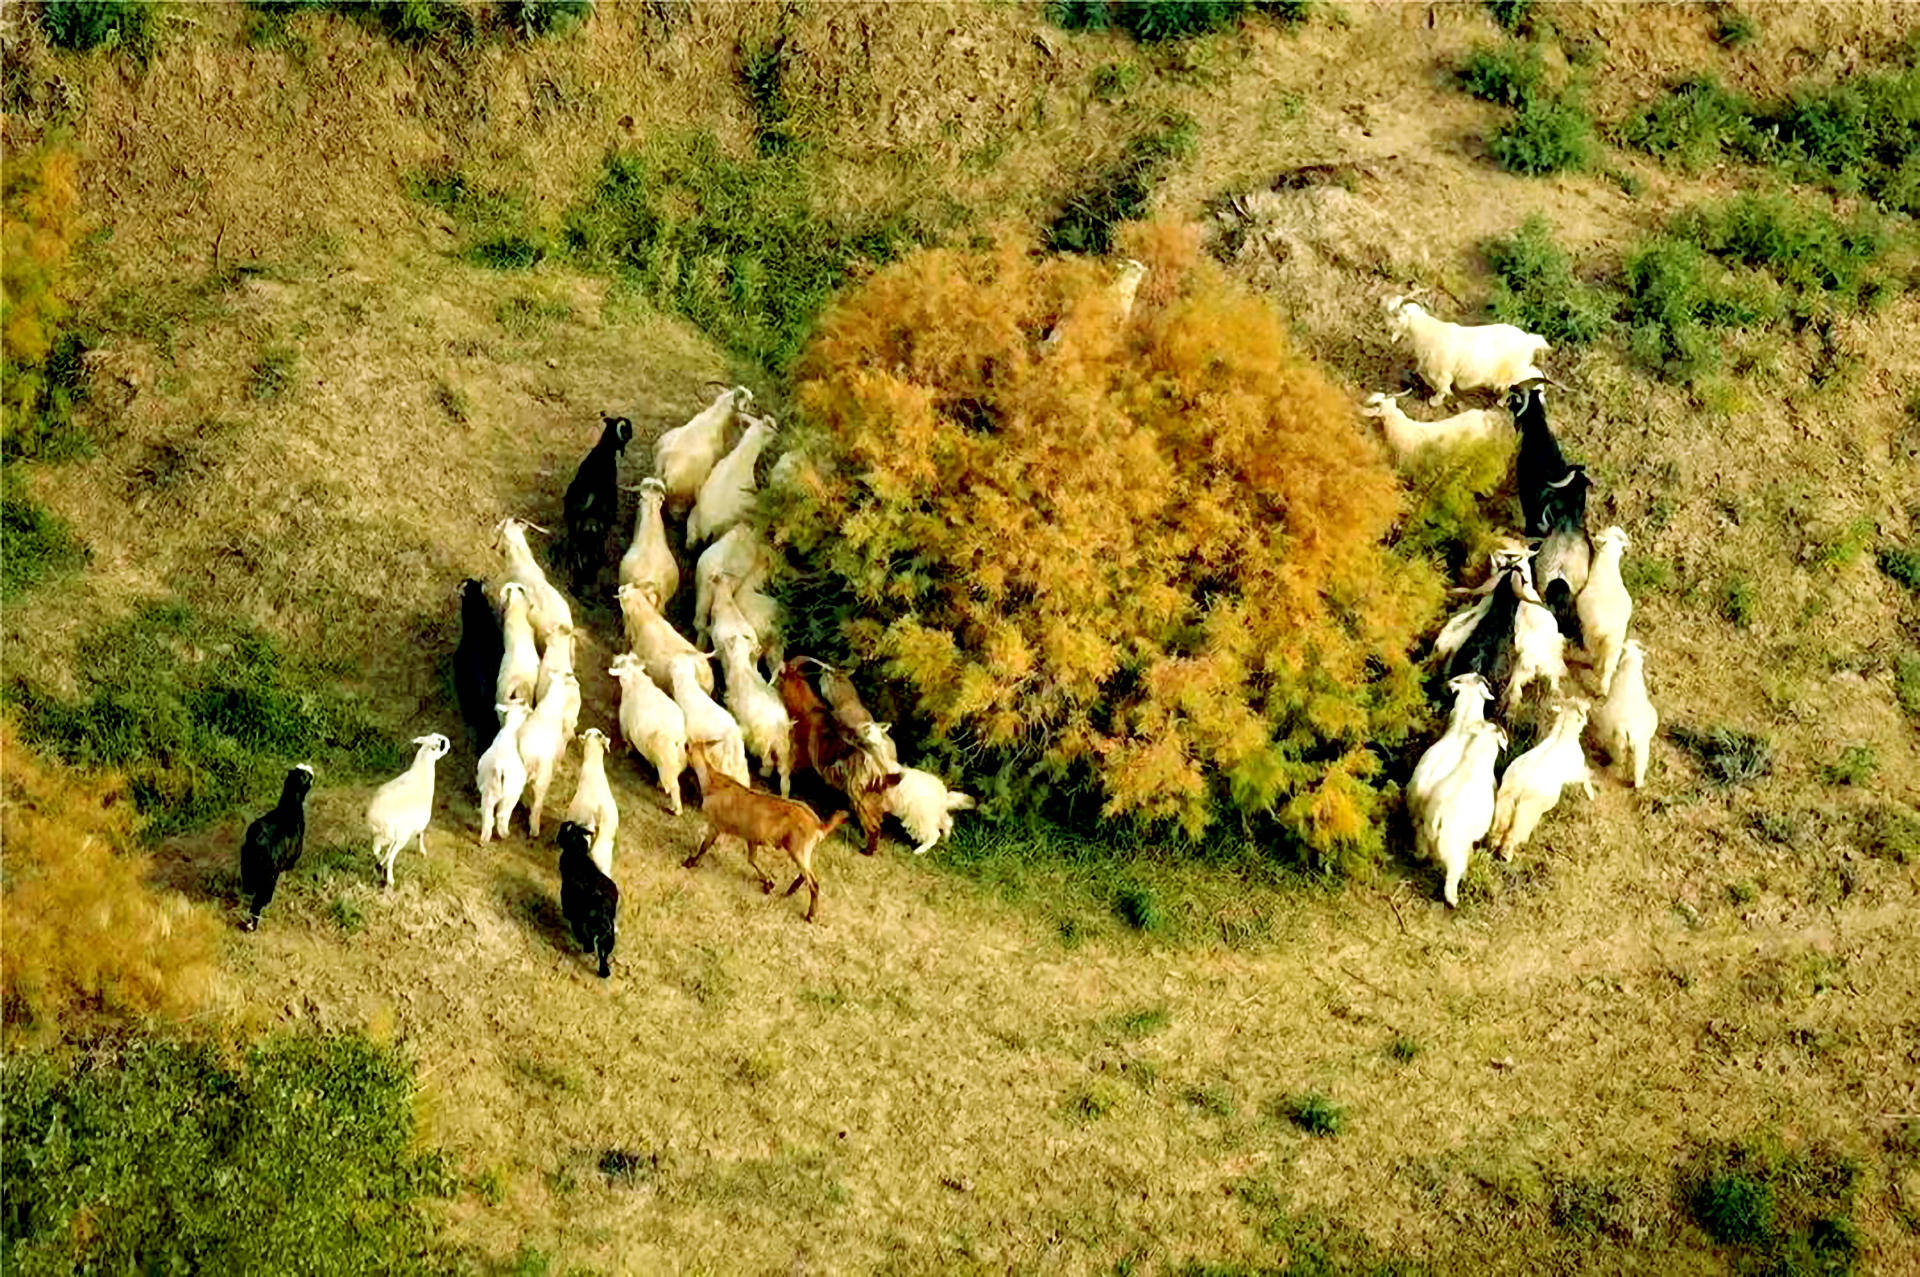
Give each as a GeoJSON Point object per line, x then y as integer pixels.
{"type": "Point", "coordinates": [536, 527]}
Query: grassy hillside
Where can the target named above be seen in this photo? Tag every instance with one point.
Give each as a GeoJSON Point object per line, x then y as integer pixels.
{"type": "Point", "coordinates": [353, 292]}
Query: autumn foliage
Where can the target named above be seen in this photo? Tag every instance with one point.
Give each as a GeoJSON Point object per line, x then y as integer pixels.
{"type": "Point", "coordinates": [39, 225]}
{"type": "Point", "coordinates": [1141, 559]}
{"type": "Point", "coordinates": [88, 940]}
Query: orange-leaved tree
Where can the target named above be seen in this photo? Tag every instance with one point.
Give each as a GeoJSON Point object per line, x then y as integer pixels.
{"type": "Point", "coordinates": [88, 940]}
{"type": "Point", "coordinates": [1133, 554]}
{"type": "Point", "coordinates": [39, 225]}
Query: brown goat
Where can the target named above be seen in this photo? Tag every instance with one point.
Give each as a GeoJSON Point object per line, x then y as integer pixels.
{"type": "Point", "coordinates": [865, 781]}
{"type": "Point", "coordinates": [817, 739]}
{"type": "Point", "coordinates": [758, 820]}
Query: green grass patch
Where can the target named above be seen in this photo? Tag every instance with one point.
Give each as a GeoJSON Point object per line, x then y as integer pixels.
{"type": "Point", "coordinates": [1163, 21]}
{"type": "Point", "coordinates": [274, 372]}
{"type": "Point", "coordinates": [1515, 17]}
{"type": "Point", "coordinates": [1402, 1049]}
{"type": "Point", "coordinates": [763, 69]}
{"type": "Point", "coordinates": [495, 227]}
{"type": "Point", "coordinates": [1781, 1210]}
{"type": "Point", "coordinates": [524, 316]}
{"type": "Point", "coordinates": [1678, 301]}
{"type": "Point", "coordinates": [1739, 599]}
{"type": "Point", "coordinates": [1906, 682]}
{"type": "Point", "coordinates": [80, 25]}
{"type": "Point", "coordinates": [1807, 249]}
{"type": "Point", "coordinates": [1312, 1112]}
{"type": "Point", "coordinates": [1735, 30]}
{"type": "Point", "coordinates": [200, 714]}
{"type": "Point", "coordinates": [738, 247]}
{"type": "Point", "coordinates": [1727, 755]}
{"type": "Point", "coordinates": [1535, 287]}
{"type": "Point", "coordinates": [35, 544]}
{"type": "Point", "coordinates": [1901, 563]}
{"type": "Point", "coordinates": [1511, 74]}
{"type": "Point", "coordinates": [1647, 575]}
{"type": "Point", "coordinates": [1856, 765]}
{"type": "Point", "coordinates": [1889, 832]}
{"type": "Point", "coordinates": [1546, 135]}
{"type": "Point", "coordinates": [1118, 193]}
{"type": "Point", "coordinates": [164, 1157]}
{"type": "Point", "coordinates": [40, 424]}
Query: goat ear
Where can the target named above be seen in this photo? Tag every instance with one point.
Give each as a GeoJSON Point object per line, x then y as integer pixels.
{"type": "Point", "coordinates": [888, 782]}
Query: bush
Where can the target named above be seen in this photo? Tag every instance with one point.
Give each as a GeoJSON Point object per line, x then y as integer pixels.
{"type": "Point", "coordinates": [92, 24]}
{"type": "Point", "coordinates": [1861, 134]}
{"type": "Point", "coordinates": [1738, 600]}
{"type": "Point", "coordinates": [1545, 136]}
{"type": "Point", "coordinates": [41, 376]}
{"type": "Point", "coordinates": [37, 545]}
{"type": "Point", "coordinates": [89, 943]}
{"type": "Point", "coordinates": [1156, 21]}
{"type": "Point", "coordinates": [1789, 1210]}
{"type": "Point", "coordinates": [735, 246]}
{"type": "Point", "coordinates": [1119, 193]}
{"type": "Point", "coordinates": [763, 71]}
{"type": "Point", "coordinates": [165, 1157]}
{"type": "Point", "coordinates": [1676, 297]}
{"type": "Point", "coordinates": [1515, 17]}
{"type": "Point", "coordinates": [1694, 125]}
{"type": "Point", "coordinates": [1807, 249]}
{"type": "Point", "coordinates": [198, 714]}
{"type": "Point", "coordinates": [1452, 520]}
{"type": "Point", "coordinates": [1510, 74]}
{"type": "Point", "coordinates": [1143, 566]}
{"type": "Point", "coordinates": [1535, 287]}
{"type": "Point", "coordinates": [1727, 755]}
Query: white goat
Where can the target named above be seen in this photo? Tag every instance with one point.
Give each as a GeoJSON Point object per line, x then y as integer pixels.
{"type": "Point", "coordinates": [652, 637]}
{"type": "Point", "coordinates": [765, 726]}
{"type": "Point", "coordinates": [648, 563]}
{"type": "Point", "coordinates": [500, 776]}
{"type": "Point", "coordinates": [925, 806]}
{"type": "Point", "coordinates": [546, 606]}
{"type": "Point", "coordinates": [593, 804]}
{"type": "Point", "coordinates": [557, 660]}
{"type": "Point", "coordinates": [1539, 651]}
{"type": "Point", "coordinates": [685, 454]}
{"type": "Point", "coordinates": [744, 612]}
{"type": "Point", "coordinates": [402, 808]}
{"type": "Point", "coordinates": [739, 554]}
{"type": "Point", "coordinates": [652, 724]}
{"type": "Point", "coordinates": [542, 741]}
{"type": "Point", "coordinates": [1407, 436]}
{"type": "Point", "coordinates": [1625, 722]}
{"type": "Point", "coordinates": [1470, 697]}
{"type": "Point", "coordinates": [1605, 607]}
{"type": "Point", "coordinates": [729, 487]}
{"type": "Point", "coordinates": [1464, 356]}
{"type": "Point", "coordinates": [707, 722]}
{"type": "Point", "coordinates": [1460, 810]}
{"type": "Point", "coordinates": [520, 661]}
{"type": "Point", "coordinates": [1533, 782]}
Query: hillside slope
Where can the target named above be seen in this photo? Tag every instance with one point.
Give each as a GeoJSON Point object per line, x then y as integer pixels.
{"type": "Point", "coordinates": [310, 406]}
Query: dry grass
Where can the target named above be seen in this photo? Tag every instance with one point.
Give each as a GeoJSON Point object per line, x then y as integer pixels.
{"type": "Point", "coordinates": [930, 1080]}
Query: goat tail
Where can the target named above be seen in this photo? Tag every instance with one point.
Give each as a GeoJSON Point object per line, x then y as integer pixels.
{"type": "Point", "coordinates": [957, 801]}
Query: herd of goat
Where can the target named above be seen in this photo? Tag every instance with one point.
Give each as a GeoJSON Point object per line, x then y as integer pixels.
{"type": "Point", "coordinates": [520, 697]}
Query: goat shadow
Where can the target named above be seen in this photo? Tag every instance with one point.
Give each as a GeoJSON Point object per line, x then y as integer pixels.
{"type": "Point", "coordinates": [538, 910]}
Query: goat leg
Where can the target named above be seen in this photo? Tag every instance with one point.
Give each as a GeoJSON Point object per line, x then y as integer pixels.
{"type": "Point", "coordinates": [694, 859]}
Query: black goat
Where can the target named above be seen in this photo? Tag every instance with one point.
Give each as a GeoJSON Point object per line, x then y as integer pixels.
{"type": "Point", "coordinates": [1560, 569]}
{"type": "Point", "coordinates": [273, 844]}
{"type": "Point", "coordinates": [476, 663]}
{"type": "Point", "coordinates": [589, 899]}
{"type": "Point", "coordinates": [1539, 464]}
{"type": "Point", "coordinates": [593, 502]}
{"type": "Point", "coordinates": [1488, 650]}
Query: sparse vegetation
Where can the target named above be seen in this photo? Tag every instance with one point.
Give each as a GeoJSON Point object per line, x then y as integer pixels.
{"type": "Point", "coordinates": [1515, 17]}
{"type": "Point", "coordinates": [1727, 755]}
{"type": "Point", "coordinates": [1906, 682]}
{"type": "Point", "coordinates": [38, 545]}
{"type": "Point", "coordinates": [1403, 1049]}
{"type": "Point", "coordinates": [1890, 832]}
{"type": "Point", "coordinates": [197, 713]}
{"type": "Point", "coordinates": [1781, 1209]}
{"type": "Point", "coordinates": [165, 1157]}
{"type": "Point", "coordinates": [273, 372]}
{"type": "Point", "coordinates": [1159, 21]}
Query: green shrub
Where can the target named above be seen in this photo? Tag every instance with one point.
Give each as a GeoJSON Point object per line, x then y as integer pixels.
{"type": "Point", "coordinates": [1676, 297]}
{"type": "Point", "coordinates": [1902, 564]}
{"type": "Point", "coordinates": [496, 230]}
{"type": "Point", "coordinates": [199, 714]}
{"type": "Point", "coordinates": [536, 18]}
{"type": "Point", "coordinates": [1735, 30]}
{"type": "Point", "coordinates": [1510, 74]}
{"type": "Point", "coordinates": [419, 22]}
{"type": "Point", "coordinates": [1515, 17]}
{"type": "Point", "coordinates": [1860, 134]}
{"type": "Point", "coordinates": [510, 250]}
{"type": "Point", "coordinates": [1114, 81]}
{"type": "Point", "coordinates": [1080, 15]}
{"type": "Point", "coordinates": [1694, 125]}
{"type": "Point", "coordinates": [35, 545]}
{"type": "Point", "coordinates": [1805, 248]}
{"type": "Point", "coordinates": [1545, 136]}
{"type": "Point", "coordinates": [737, 247]}
{"type": "Point", "coordinates": [1288, 13]}
{"type": "Point", "coordinates": [1119, 192]}
{"type": "Point", "coordinates": [92, 24]}
{"type": "Point", "coordinates": [163, 1157]}
{"type": "Point", "coordinates": [1727, 755]}
{"type": "Point", "coordinates": [1453, 517]}
{"type": "Point", "coordinates": [1857, 765]}
{"type": "Point", "coordinates": [1535, 287]}
{"type": "Point", "coordinates": [1313, 1113]}
{"type": "Point", "coordinates": [1064, 569]}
